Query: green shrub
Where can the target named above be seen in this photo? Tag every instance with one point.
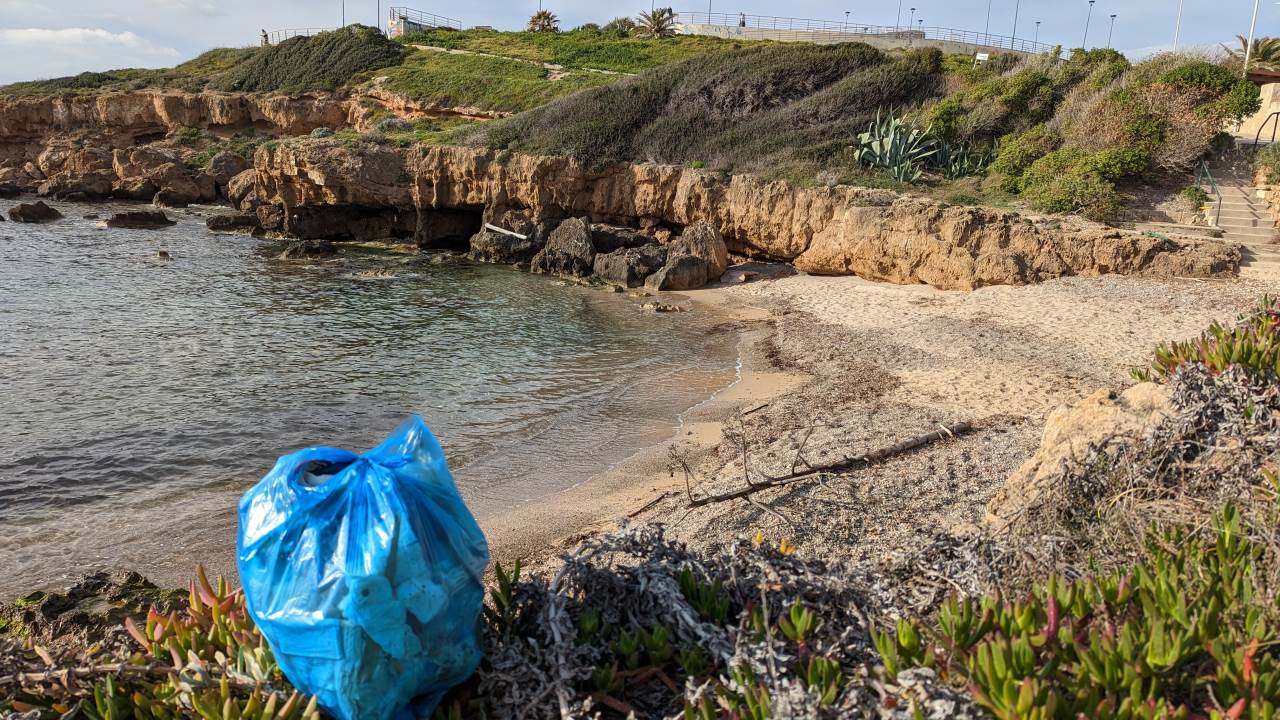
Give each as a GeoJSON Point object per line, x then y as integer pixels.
{"type": "Point", "coordinates": [1253, 344]}
{"type": "Point", "coordinates": [1068, 180]}
{"type": "Point", "coordinates": [1238, 97]}
{"type": "Point", "coordinates": [320, 62]}
{"type": "Point", "coordinates": [1267, 162]}
{"type": "Point", "coordinates": [897, 145]}
{"type": "Point", "coordinates": [1195, 195]}
{"type": "Point", "coordinates": [1183, 632]}
{"type": "Point", "coordinates": [1018, 152]}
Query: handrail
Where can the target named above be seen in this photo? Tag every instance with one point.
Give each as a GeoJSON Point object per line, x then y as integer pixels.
{"type": "Point", "coordinates": [859, 29]}
{"type": "Point", "coordinates": [1273, 116]}
{"type": "Point", "coordinates": [276, 36]}
{"type": "Point", "coordinates": [424, 19]}
{"type": "Point", "coordinates": [1206, 175]}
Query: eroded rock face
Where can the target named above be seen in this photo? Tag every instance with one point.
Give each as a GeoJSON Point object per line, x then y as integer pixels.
{"type": "Point", "coordinates": [838, 230]}
{"type": "Point", "coordinates": [36, 212]}
{"type": "Point", "coordinates": [1068, 433]}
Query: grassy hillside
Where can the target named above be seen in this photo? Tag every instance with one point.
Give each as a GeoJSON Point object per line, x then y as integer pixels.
{"type": "Point", "coordinates": [779, 109]}
{"type": "Point", "coordinates": [321, 62]}
{"type": "Point", "coordinates": [192, 76]}
{"type": "Point", "coordinates": [579, 49]}
{"type": "Point", "coordinates": [488, 83]}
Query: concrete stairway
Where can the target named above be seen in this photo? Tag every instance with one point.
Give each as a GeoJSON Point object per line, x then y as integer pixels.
{"type": "Point", "coordinates": [1245, 218]}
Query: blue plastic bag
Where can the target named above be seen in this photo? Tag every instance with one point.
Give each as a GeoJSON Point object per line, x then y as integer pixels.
{"type": "Point", "coordinates": [364, 573]}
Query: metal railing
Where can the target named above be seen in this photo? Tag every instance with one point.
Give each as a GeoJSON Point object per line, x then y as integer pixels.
{"type": "Point", "coordinates": [277, 36]}
{"type": "Point", "coordinates": [1257, 138]}
{"type": "Point", "coordinates": [803, 28]}
{"type": "Point", "coordinates": [422, 19]}
{"type": "Point", "coordinates": [1205, 177]}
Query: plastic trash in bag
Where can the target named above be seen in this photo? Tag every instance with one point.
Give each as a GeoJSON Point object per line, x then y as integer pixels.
{"type": "Point", "coordinates": [364, 574]}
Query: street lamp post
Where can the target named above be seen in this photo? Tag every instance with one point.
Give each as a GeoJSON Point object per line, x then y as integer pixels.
{"type": "Point", "coordinates": [1111, 30]}
{"type": "Point", "coordinates": [1037, 40]}
{"type": "Point", "coordinates": [1248, 48]}
{"type": "Point", "coordinates": [846, 21]}
{"type": "Point", "coordinates": [912, 21]}
{"type": "Point", "coordinates": [344, 13]}
{"type": "Point", "coordinates": [1177, 26]}
{"type": "Point", "coordinates": [986, 29]}
{"type": "Point", "coordinates": [1084, 44]}
{"type": "Point", "coordinates": [897, 23]}
{"type": "Point", "coordinates": [1016, 6]}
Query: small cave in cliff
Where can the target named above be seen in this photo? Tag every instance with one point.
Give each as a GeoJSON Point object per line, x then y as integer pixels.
{"type": "Point", "coordinates": [448, 229]}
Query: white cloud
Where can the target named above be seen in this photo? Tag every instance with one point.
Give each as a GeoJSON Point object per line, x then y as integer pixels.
{"type": "Point", "coordinates": [67, 51]}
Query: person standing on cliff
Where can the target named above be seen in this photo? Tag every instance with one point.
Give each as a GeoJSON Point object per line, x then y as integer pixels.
{"type": "Point", "coordinates": [265, 40]}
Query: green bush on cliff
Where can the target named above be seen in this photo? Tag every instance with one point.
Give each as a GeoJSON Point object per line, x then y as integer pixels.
{"type": "Point", "coordinates": [319, 62]}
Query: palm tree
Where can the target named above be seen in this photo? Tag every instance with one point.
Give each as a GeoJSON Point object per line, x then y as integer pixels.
{"type": "Point", "coordinates": [660, 23]}
{"type": "Point", "coordinates": [544, 21]}
{"type": "Point", "coordinates": [1265, 55]}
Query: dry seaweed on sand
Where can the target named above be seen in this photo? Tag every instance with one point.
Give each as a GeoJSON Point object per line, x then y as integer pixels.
{"type": "Point", "coordinates": [634, 622]}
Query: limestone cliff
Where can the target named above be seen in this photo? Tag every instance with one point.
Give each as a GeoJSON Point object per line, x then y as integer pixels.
{"type": "Point", "coordinates": [839, 230]}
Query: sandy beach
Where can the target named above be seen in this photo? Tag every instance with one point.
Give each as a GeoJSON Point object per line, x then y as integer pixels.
{"type": "Point", "coordinates": [852, 366]}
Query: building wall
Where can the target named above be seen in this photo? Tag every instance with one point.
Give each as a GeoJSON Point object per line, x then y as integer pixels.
{"type": "Point", "coordinates": [1270, 103]}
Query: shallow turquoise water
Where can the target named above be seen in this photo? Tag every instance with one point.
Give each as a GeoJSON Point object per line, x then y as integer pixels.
{"type": "Point", "coordinates": [140, 397]}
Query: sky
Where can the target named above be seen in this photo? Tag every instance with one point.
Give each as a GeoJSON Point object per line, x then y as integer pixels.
{"type": "Point", "coordinates": [51, 38]}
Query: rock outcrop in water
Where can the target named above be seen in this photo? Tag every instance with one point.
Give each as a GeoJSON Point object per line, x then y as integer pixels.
{"type": "Point", "coordinates": [839, 230]}
{"type": "Point", "coordinates": [36, 212]}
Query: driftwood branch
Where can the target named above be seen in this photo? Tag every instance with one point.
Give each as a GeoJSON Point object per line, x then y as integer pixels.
{"type": "Point", "coordinates": [845, 465]}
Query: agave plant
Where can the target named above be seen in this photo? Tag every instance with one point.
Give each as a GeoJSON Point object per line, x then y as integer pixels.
{"type": "Point", "coordinates": [1265, 54]}
{"type": "Point", "coordinates": [659, 23]}
{"type": "Point", "coordinates": [957, 160]}
{"type": "Point", "coordinates": [896, 145]}
{"type": "Point", "coordinates": [544, 21]}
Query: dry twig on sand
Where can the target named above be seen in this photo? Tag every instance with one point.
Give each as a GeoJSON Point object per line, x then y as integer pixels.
{"type": "Point", "coordinates": [812, 472]}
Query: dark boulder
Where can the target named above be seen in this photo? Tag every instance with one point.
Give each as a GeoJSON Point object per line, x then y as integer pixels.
{"type": "Point", "coordinates": [134, 188]}
{"type": "Point", "coordinates": [702, 240]}
{"type": "Point", "coordinates": [630, 266]}
{"type": "Point", "coordinates": [140, 220]}
{"type": "Point", "coordinates": [36, 212]}
{"type": "Point", "coordinates": [491, 246]}
{"type": "Point", "coordinates": [170, 198]}
{"type": "Point", "coordinates": [685, 272]}
{"type": "Point", "coordinates": [9, 190]}
{"type": "Point", "coordinates": [568, 251]}
{"type": "Point", "coordinates": [306, 249]}
{"type": "Point", "coordinates": [609, 238]}
{"type": "Point", "coordinates": [232, 222]}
